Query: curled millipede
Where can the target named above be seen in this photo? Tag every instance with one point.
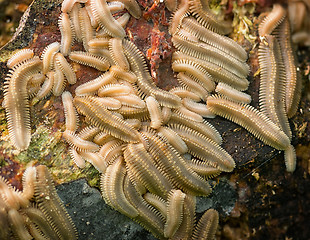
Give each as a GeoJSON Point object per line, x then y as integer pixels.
{"type": "Point", "coordinates": [16, 102]}
{"type": "Point", "coordinates": [223, 43]}
{"type": "Point", "coordinates": [251, 119]}
{"type": "Point", "coordinates": [20, 56]}
{"type": "Point", "coordinates": [156, 201]}
{"type": "Point", "coordinates": [207, 18]}
{"type": "Point", "coordinates": [90, 60]}
{"type": "Point", "coordinates": [117, 53]}
{"type": "Point", "coordinates": [232, 93]}
{"type": "Point", "coordinates": [272, 83]}
{"type": "Point", "coordinates": [67, 33]}
{"type": "Point", "coordinates": [180, 13]}
{"type": "Point", "coordinates": [76, 157]}
{"type": "Point", "coordinates": [274, 19]}
{"type": "Point", "coordinates": [95, 159]}
{"type": "Point", "coordinates": [48, 55]}
{"type": "Point", "coordinates": [105, 19]}
{"type": "Point", "coordinates": [87, 32]}
{"type": "Point", "coordinates": [66, 68]}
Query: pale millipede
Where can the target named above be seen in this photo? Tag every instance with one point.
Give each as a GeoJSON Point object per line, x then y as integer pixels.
{"type": "Point", "coordinates": [293, 80]}
{"type": "Point", "coordinates": [59, 81]}
{"type": "Point", "coordinates": [19, 56]}
{"type": "Point", "coordinates": [88, 59]}
{"type": "Point", "coordinates": [171, 5]}
{"type": "Point", "coordinates": [157, 202]}
{"type": "Point", "coordinates": [223, 43]}
{"type": "Point", "coordinates": [204, 148]}
{"type": "Point", "coordinates": [272, 83]}
{"type": "Point", "coordinates": [166, 158]}
{"type": "Point", "coordinates": [207, 225]}
{"type": "Point", "coordinates": [17, 222]}
{"type": "Point", "coordinates": [272, 20]}
{"type": "Point", "coordinates": [188, 36]}
{"type": "Point", "coordinates": [154, 111]}
{"type": "Point", "coordinates": [114, 89]}
{"type": "Point", "coordinates": [105, 120]}
{"type": "Point", "coordinates": [199, 108]}
{"type": "Point", "coordinates": [123, 20]}
{"type": "Point", "coordinates": [113, 190]}
{"type": "Point", "coordinates": [201, 10]}
{"type": "Point", "coordinates": [140, 162]}
{"type": "Point", "coordinates": [119, 73]}
{"type": "Point", "coordinates": [203, 128]}
{"type": "Point", "coordinates": [108, 146]}
{"type": "Point", "coordinates": [52, 206]}
{"type": "Point", "coordinates": [113, 153]}
{"type": "Point", "coordinates": [105, 19]}
{"type": "Point", "coordinates": [46, 88]}
{"type": "Point", "coordinates": [251, 119]}
{"type": "Point", "coordinates": [178, 15]}
{"type": "Point", "coordinates": [184, 93]}
{"type": "Point", "coordinates": [94, 85]}
{"type": "Point", "coordinates": [175, 204]}
{"type": "Point", "coordinates": [29, 178]}
{"type": "Point", "coordinates": [16, 102]}
{"type": "Point", "coordinates": [66, 68]}
{"type": "Point", "coordinates": [67, 5]}
{"type": "Point", "coordinates": [95, 159]}
{"type": "Point", "coordinates": [48, 55]}
{"type": "Point", "coordinates": [173, 139]}
{"type": "Point", "coordinates": [148, 217]}
{"type": "Point", "coordinates": [117, 53]}
{"type": "Point", "coordinates": [131, 100]}
{"type": "Point", "coordinates": [195, 70]}
{"type": "Point", "coordinates": [87, 32]}
{"type": "Point", "coordinates": [203, 168]}
{"type": "Point", "coordinates": [188, 114]}
{"type": "Point", "coordinates": [76, 157]}
{"type": "Point", "coordinates": [211, 54]}
{"type": "Point", "coordinates": [79, 143]}
{"type": "Point", "coordinates": [71, 116]}
{"type": "Point", "coordinates": [218, 73]}
{"type": "Point", "coordinates": [192, 85]}
{"type": "Point", "coordinates": [88, 133]}
{"type": "Point", "coordinates": [102, 138]}
{"type": "Point", "coordinates": [232, 93]}
{"type": "Point", "coordinates": [144, 80]}
{"type": "Point", "coordinates": [116, 6]}
{"type": "Point", "coordinates": [67, 33]}
{"type": "Point", "coordinates": [132, 7]}
{"type": "Point", "coordinates": [76, 23]}
{"type": "Point", "coordinates": [134, 122]}
{"type": "Point", "coordinates": [110, 103]}
{"type": "Point", "coordinates": [99, 43]}
{"type": "Point", "coordinates": [93, 21]}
